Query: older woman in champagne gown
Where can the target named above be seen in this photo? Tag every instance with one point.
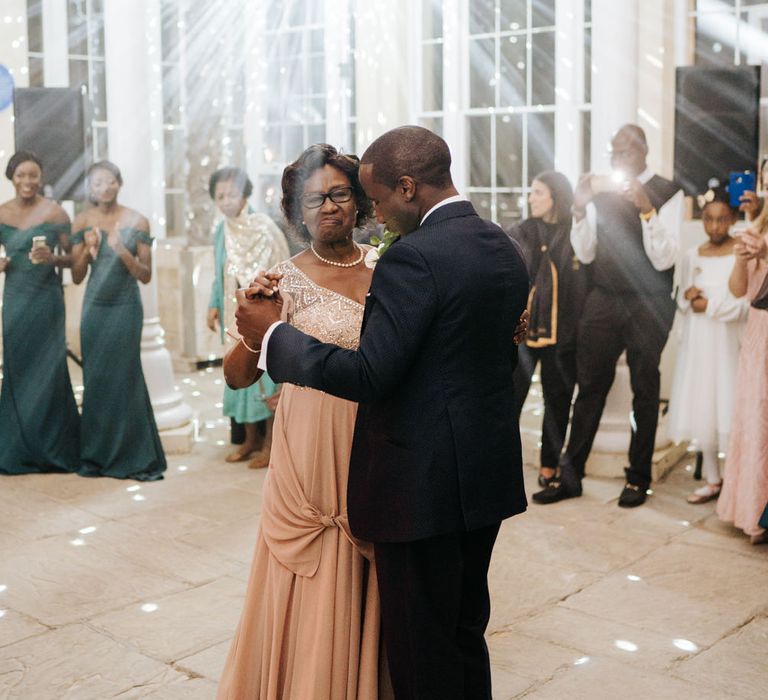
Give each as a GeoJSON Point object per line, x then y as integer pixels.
{"type": "Point", "coordinates": [309, 629]}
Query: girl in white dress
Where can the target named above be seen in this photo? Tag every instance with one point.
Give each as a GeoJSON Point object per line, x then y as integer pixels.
{"type": "Point", "coordinates": [701, 403]}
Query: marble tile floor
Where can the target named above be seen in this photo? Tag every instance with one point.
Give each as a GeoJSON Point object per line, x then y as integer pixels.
{"type": "Point", "coordinates": [114, 589]}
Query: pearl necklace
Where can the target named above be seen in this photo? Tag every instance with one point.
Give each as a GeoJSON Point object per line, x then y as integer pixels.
{"type": "Point", "coordinates": [333, 262]}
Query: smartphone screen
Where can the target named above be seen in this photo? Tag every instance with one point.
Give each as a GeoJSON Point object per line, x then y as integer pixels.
{"type": "Point", "coordinates": [738, 184]}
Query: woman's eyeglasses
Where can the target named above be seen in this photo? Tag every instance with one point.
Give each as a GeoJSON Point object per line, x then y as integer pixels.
{"type": "Point", "coordinates": [317, 199]}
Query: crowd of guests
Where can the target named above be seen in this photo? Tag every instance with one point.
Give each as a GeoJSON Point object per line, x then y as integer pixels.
{"type": "Point", "coordinates": [601, 259]}
{"type": "Point", "coordinates": [602, 265]}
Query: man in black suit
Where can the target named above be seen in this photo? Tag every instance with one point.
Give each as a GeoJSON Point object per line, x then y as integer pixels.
{"type": "Point", "coordinates": [630, 238]}
{"type": "Point", "coordinates": [436, 462]}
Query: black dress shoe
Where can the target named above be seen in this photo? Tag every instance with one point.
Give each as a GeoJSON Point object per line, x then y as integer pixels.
{"type": "Point", "coordinates": [556, 491]}
{"type": "Point", "coordinates": [545, 481]}
{"type": "Point", "coordinates": [632, 496]}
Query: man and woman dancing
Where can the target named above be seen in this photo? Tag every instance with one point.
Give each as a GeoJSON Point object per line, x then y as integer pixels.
{"type": "Point", "coordinates": [424, 468]}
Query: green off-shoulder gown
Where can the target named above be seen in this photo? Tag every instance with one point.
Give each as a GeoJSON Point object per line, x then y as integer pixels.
{"type": "Point", "coordinates": [39, 424]}
{"type": "Point", "coordinates": [118, 431]}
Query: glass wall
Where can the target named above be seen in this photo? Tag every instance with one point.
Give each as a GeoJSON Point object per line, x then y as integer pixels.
{"type": "Point", "coordinates": [507, 88]}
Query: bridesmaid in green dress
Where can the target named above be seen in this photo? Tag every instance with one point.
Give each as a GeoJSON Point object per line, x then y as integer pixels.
{"type": "Point", "coordinates": [118, 434]}
{"type": "Point", "coordinates": [39, 424]}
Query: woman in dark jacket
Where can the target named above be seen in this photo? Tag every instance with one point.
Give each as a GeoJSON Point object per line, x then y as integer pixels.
{"type": "Point", "coordinates": [558, 289]}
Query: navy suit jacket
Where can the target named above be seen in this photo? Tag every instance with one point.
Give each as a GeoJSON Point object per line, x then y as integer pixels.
{"type": "Point", "coordinates": [436, 447]}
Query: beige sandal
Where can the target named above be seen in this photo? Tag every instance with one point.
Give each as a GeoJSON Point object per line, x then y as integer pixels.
{"type": "Point", "coordinates": [708, 492]}
{"type": "Point", "coordinates": [260, 460]}
{"type": "Point", "coordinates": [239, 455]}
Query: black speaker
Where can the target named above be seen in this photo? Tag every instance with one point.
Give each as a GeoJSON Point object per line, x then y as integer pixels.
{"type": "Point", "coordinates": [51, 122]}
{"type": "Point", "coordinates": [716, 124]}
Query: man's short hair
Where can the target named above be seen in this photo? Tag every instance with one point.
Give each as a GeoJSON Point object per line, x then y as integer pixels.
{"type": "Point", "coordinates": [634, 133]}
{"type": "Point", "coordinates": [409, 150]}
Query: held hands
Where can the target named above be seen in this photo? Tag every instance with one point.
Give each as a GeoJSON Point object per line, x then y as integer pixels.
{"type": "Point", "coordinates": [521, 330]}
{"type": "Point", "coordinates": [259, 306]}
{"type": "Point", "coordinates": [699, 305]}
{"type": "Point", "coordinates": [697, 299]}
{"type": "Point", "coordinates": [691, 293]}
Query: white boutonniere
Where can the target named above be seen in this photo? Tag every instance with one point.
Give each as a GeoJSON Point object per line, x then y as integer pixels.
{"type": "Point", "coordinates": [380, 247]}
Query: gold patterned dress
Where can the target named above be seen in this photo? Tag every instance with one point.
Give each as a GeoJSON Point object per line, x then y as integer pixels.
{"type": "Point", "coordinates": [309, 629]}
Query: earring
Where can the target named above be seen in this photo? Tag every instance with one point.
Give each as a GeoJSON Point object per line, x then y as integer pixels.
{"type": "Point", "coordinates": [303, 223]}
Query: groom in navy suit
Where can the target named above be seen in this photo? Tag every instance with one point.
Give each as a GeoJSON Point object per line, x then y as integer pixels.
{"type": "Point", "coordinates": [436, 462]}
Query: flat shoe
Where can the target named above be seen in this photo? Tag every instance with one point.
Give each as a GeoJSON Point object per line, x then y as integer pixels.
{"type": "Point", "coordinates": [762, 538]}
{"type": "Point", "coordinates": [238, 456]}
{"type": "Point", "coordinates": [555, 491]}
{"type": "Point", "coordinates": [632, 496]}
{"type": "Point", "coordinates": [545, 481]}
{"type": "Point", "coordinates": [708, 492]}
{"type": "Point", "coordinates": [260, 461]}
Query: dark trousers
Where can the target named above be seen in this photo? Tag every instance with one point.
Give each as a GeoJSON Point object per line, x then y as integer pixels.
{"type": "Point", "coordinates": [558, 378]}
{"type": "Point", "coordinates": [434, 610]}
{"type": "Point", "coordinates": [610, 325]}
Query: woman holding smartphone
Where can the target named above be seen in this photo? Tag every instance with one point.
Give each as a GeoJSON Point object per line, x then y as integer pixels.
{"type": "Point", "coordinates": [745, 481]}
{"type": "Point", "coordinates": [119, 435]}
{"type": "Point", "coordinates": [39, 424]}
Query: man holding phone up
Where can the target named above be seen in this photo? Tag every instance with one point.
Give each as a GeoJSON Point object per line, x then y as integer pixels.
{"type": "Point", "coordinates": [627, 227]}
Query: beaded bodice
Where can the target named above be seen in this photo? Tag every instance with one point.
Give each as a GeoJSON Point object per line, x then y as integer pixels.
{"type": "Point", "coordinates": [322, 313]}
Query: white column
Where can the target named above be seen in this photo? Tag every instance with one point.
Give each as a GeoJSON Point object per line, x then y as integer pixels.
{"type": "Point", "coordinates": [616, 89]}
{"type": "Point", "coordinates": [614, 81]}
{"type": "Point", "coordinates": [656, 83]}
{"type": "Point", "coordinates": [454, 72]}
{"type": "Point", "coordinates": [569, 85]}
{"type": "Point", "coordinates": [338, 73]}
{"type": "Point", "coordinates": [13, 55]}
{"type": "Point", "coordinates": [55, 44]}
{"type": "Point", "coordinates": [134, 115]}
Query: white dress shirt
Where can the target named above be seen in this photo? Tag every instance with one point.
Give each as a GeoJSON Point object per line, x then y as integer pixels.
{"type": "Point", "coordinates": [661, 233]}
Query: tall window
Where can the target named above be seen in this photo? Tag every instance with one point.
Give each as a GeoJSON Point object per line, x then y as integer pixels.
{"type": "Point", "coordinates": [732, 32]}
{"type": "Point", "coordinates": [35, 42]}
{"type": "Point", "coordinates": [293, 89]}
{"type": "Point", "coordinates": [729, 32]}
{"type": "Point", "coordinates": [510, 115]}
{"type": "Point", "coordinates": [85, 25]}
{"type": "Point", "coordinates": [432, 65]}
{"type": "Point", "coordinates": [586, 109]}
{"type": "Point", "coordinates": [174, 121]}
{"type": "Point", "coordinates": [506, 94]}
